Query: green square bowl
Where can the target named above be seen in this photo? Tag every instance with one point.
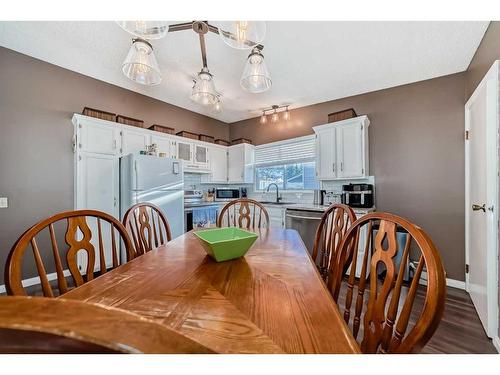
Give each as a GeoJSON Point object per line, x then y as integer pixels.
{"type": "Point", "coordinates": [226, 243]}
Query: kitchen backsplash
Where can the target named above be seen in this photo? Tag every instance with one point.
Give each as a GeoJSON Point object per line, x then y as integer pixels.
{"type": "Point", "coordinates": [193, 181]}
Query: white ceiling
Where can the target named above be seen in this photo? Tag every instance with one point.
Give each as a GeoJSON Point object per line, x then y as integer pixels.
{"type": "Point", "coordinates": [310, 62]}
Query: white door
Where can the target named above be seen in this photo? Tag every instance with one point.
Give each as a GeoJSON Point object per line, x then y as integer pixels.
{"type": "Point", "coordinates": [481, 168]}
{"type": "Point", "coordinates": [163, 145]}
{"type": "Point", "coordinates": [218, 164]}
{"type": "Point", "coordinates": [325, 154]}
{"type": "Point", "coordinates": [98, 189]}
{"type": "Point", "coordinates": [350, 151]}
{"type": "Point", "coordinates": [134, 141]}
{"type": "Point", "coordinates": [236, 169]}
{"type": "Point", "coordinates": [99, 138]}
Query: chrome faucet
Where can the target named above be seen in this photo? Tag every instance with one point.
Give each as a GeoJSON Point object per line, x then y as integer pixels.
{"type": "Point", "coordinates": [278, 198]}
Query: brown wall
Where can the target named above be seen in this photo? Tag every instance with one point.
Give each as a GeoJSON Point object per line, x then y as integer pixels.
{"type": "Point", "coordinates": [487, 52]}
{"type": "Point", "coordinates": [416, 153]}
{"type": "Point", "coordinates": [37, 101]}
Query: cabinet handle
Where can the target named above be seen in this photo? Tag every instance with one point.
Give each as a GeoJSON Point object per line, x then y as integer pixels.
{"type": "Point", "coordinates": [333, 167]}
{"type": "Point", "coordinates": [341, 166]}
{"type": "Point", "coordinates": [114, 144]}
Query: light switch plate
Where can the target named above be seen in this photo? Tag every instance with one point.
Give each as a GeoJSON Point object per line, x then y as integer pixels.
{"type": "Point", "coordinates": [4, 202]}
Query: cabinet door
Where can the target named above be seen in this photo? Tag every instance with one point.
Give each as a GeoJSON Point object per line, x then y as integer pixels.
{"type": "Point", "coordinates": [350, 151]}
{"type": "Point", "coordinates": [163, 145]}
{"type": "Point", "coordinates": [276, 217]}
{"type": "Point", "coordinates": [218, 164]}
{"type": "Point", "coordinates": [201, 156]}
{"type": "Point", "coordinates": [184, 151]}
{"type": "Point", "coordinates": [326, 167]}
{"type": "Point", "coordinates": [98, 189]}
{"type": "Point", "coordinates": [134, 141]}
{"type": "Point", "coordinates": [99, 138]}
{"type": "Point", "coordinates": [236, 169]}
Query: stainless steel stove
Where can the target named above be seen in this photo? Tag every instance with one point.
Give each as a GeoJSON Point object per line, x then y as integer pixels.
{"type": "Point", "coordinates": [198, 213]}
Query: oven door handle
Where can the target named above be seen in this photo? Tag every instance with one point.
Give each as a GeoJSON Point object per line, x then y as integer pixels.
{"type": "Point", "coordinates": [303, 217]}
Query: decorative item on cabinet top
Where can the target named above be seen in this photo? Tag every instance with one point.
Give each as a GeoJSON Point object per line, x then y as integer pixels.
{"type": "Point", "coordinates": [129, 121]}
{"type": "Point", "coordinates": [342, 115]}
{"type": "Point", "coordinates": [241, 140]}
{"type": "Point", "coordinates": [162, 129]}
{"type": "Point", "coordinates": [187, 134]}
{"type": "Point", "coordinates": [97, 113]}
{"type": "Point", "coordinates": [222, 142]}
{"type": "Point", "coordinates": [206, 138]}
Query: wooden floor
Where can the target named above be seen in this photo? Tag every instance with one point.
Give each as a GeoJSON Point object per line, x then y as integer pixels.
{"type": "Point", "coordinates": [460, 330]}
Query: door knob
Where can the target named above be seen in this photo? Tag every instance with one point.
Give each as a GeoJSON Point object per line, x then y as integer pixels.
{"type": "Point", "coordinates": [477, 207]}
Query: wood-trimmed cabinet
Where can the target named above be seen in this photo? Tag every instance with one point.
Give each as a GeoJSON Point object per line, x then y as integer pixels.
{"type": "Point", "coordinates": [342, 149]}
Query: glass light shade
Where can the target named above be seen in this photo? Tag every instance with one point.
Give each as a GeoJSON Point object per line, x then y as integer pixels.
{"type": "Point", "coordinates": [204, 92]}
{"type": "Point", "coordinates": [145, 29]}
{"type": "Point", "coordinates": [275, 117]}
{"type": "Point", "coordinates": [242, 34]}
{"type": "Point", "coordinates": [256, 77]}
{"type": "Point", "coordinates": [286, 115]}
{"type": "Point", "coordinates": [263, 119]}
{"type": "Point", "coordinates": [140, 64]}
{"type": "Point", "coordinates": [218, 105]}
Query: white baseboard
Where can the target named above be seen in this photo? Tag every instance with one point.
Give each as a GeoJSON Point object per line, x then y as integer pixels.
{"type": "Point", "coordinates": [496, 342]}
{"type": "Point", "coordinates": [449, 282]}
{"type": "Point", "coordinates": [36, 280]}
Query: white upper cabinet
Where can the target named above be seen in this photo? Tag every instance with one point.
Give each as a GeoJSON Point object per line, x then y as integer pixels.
{"type": "Point", "coordinates": [134, 141]}
{"type": "Point", "coordinates": [218, 165]}
{"type": "Point", "coordinates": [342, 149]}
{"type": "Point", "coordinates": [241, 160]}
{"type": "Point", "coordinates": [165, 145]}
{"type": "Point", "coordinates": [185, 151]}
{"type": "Point", "coordinates": [201, 154]}
{"type": "Point", "coordinates": [94, 136]}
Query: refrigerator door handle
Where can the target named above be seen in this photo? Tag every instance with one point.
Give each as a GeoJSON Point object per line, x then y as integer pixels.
{"type": "Point", "coordinates": [136, 175]}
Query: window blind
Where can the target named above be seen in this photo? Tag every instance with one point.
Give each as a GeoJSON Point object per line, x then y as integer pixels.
{"type": "Point", "coordinates": [299, 149]}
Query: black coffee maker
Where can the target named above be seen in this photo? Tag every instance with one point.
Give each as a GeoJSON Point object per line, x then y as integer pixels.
{"type": "Point", "coordinates": [358, 195]}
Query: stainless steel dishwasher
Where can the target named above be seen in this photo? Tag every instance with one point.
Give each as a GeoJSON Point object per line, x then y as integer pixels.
{"type": "Point", "coordinates": [305, 222]}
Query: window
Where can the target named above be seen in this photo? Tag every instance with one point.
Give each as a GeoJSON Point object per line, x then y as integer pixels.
{"type": "Point", "coordinates": [289, 164]}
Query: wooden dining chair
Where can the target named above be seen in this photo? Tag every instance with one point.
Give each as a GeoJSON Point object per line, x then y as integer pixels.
{"type": "Point", "coordinates": [332, 228]}
{"type": "Point", "coordinates": [244, 213]}
{"type": "Point", "coordinates": [83, 230]}
{"type": "Point", "coordinates": [385, 317]}
{"type": "Point", "coordinates": [54, 325]}
{"type": "Point", "coordinates": [146, 223]}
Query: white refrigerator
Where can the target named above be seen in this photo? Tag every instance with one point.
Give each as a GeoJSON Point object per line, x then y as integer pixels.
{"type": "Point", "coordinates": [158, 180]}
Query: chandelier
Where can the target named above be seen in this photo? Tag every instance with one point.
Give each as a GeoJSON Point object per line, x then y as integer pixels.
{"type": "Point", "coordinates": [141, 67]}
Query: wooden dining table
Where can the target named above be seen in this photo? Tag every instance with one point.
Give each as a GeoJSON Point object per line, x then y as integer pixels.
{"type": "Point", "coordinates": [272, 300]}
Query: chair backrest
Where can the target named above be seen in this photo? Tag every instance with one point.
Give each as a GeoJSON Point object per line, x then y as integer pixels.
{"type": "Point", "coordinates": [386, 240]}
{"type": "Point", "coordinates": [244, 213]}
{"type": "Point", "coordinates": [332, 228]}
{"type": "Point", "coordinates": [83, 232]}
{"type": "Point", "coordinates": [147, 226]}
{"type": "Point", "coordinates": [56, 325]}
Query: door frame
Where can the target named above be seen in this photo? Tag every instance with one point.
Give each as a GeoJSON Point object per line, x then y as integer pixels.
{"type": "Point", "coordinates": [491, 81]}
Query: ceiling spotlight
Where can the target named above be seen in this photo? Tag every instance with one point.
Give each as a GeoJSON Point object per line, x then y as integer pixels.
{"type": "Point", "coordinates": [145, 29]}
{"type": "Point", "coordinates": [204, 89]}
{"type": "Point", "coordinates": [242, 34]}
{"type": "Point", "coordinates": [275, 116]}
{"type": "Point", "coordinates": [286, 114]}
{"type": "Point", "coordinates": [256, 77]}
{"type": "Point", "coordinates": [140, 64]}
{"type": "Point", "coordinates": [263, 118]}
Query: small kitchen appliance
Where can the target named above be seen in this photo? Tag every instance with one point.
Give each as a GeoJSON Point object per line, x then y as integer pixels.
{"type": "Point", "coordinates": [358, 195]}
{"type": "Point", "coordinates": [227, 194]}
